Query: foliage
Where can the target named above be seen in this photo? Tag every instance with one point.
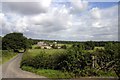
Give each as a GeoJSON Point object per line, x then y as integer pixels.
{"type": "Point", "coordinates": [64, 47]}
{"type": "Point", "coordinates": [72, 60]}
{"type": "Point", "coordinates": [15, 41]}
{"type": "Point", "coordinates": [54, 46]}
{"type": "Point", "coordinates": [37, 47]}
{"type": "Point", "coordinates": [76, 60]}
{"type": "Point", "coordinates": [41, 58]}
{"type": "Point", "coordinates": [0, 42]}
{"type": "Point", "coordinates": [114, 57]}
{"type": "Point", "coordinates": [109, 59]}
{"type": "Point", "coordinates": [49, 73]}
{"type": "Point", "coordinates": [89, 45]}
{"type": "Point", "coordinates": [6, 55]}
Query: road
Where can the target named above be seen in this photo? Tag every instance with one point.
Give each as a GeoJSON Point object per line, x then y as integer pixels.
{"type": "Point", "coordinates": [12, 69]}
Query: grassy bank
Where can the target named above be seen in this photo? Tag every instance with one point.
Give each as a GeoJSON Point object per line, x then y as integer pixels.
{"type": "Point", "coordinates": [6, 56]}
{"type": "Point", "coordinates": [49, 73]}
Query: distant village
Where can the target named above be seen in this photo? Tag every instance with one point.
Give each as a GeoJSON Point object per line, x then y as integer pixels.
{"type": "Point", "coordinates": [54, 45]}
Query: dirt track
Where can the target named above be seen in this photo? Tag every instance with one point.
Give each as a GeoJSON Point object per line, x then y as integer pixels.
{"type": "Point", "coordinates": [11, 69]}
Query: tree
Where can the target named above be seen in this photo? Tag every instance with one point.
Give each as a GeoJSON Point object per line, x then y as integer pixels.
{"type": "Point", "coordinates": [89, 45]}
{"type": "Point", "coordinates": [64, 47]}
{"type": "Point", "coordinates": [15, 41]}
{"type": "Point", "coordinates": [54, 46]}
{"type": "Point", "coordinates": [0, 42]}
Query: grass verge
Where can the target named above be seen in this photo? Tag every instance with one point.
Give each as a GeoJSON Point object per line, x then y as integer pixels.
{"type": "Point", "coordinates": [49, 73]}
{"type": "Point", "coordinates": [6, 56]}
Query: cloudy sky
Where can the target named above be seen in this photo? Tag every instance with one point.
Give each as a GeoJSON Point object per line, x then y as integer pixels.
{"type": "Point", "coordinates": [66, 20]}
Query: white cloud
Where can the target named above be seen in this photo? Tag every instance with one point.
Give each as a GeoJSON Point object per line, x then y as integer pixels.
{"type": "Point", "coordinates": [96, 13]}
{"type": "Point", "coordinates": [100, 26]}
{"type": "Point", "coordinates": [79, 5]}
{"type": "Point", "coordinates": [21, 25]}
{"type": "Point", "coordinates": [2, 19]}
{"type": "Point", "coordinates": [60, 23]}
{"type": "Point", "coordinates": [54, 20]}
{"type": "Point", "coordinates": [4, 24]}
{"type": "Point", "coordinates": [27, 8]}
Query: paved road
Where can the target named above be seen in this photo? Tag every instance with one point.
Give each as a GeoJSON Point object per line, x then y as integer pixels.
{"type": "Point", "coordinates": [11, 69]}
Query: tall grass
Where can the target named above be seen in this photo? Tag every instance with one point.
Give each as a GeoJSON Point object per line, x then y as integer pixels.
{"type": "Point", "coordinates": [49, 73]}
{"type": "Point", "coordinates": [6, 55]}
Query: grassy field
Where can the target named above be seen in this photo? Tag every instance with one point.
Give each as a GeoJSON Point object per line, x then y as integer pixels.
{"type": "Point", "coordinates": [34, 52]}
{"type": "Point", "coordinates": [68, 45]}
{"type": "Point", "coordinates": [6, 56]}
{"type": "Point", "coordinates": [95, 48]}
{"type": "Point", "coordinates": [33, 46]}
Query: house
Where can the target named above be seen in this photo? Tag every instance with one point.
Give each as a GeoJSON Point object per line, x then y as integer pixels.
{"type": "Point", "coordinates": [41, 44]}
{"type": "Point", "coordinates": [44, 45]}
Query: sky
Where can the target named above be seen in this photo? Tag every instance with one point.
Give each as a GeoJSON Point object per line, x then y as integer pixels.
{"type": "Point", "coordinates": [72, 20]}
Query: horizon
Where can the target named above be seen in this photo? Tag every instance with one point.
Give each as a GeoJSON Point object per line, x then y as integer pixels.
{"type": "Point", "coordinates": [66, 40]}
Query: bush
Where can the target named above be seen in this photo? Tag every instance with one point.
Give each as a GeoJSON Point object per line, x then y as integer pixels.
{"type": "Point", "coordinates": [42, 60]}
{"type": "Point", "coordinates": [54, 46]}
{"type": "Point", "coordinates": [64, 47]}
{"type": "Point", "coordinates": [72, 60]}
{"type": "Point", "coordinates": [38, 47]}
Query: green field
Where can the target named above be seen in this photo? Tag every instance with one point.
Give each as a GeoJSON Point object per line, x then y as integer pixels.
{"type": "Point", "coordinates": [95, 48]}
{"type": "Point", "coordinates": [67, 45]}
{"type": "Point", "coordinates": [34, 52]}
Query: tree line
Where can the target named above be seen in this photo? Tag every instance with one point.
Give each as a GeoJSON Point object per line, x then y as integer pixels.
{"type": "Point", "coordinates": [16, 41]}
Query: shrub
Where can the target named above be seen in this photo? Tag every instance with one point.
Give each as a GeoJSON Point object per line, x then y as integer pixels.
{"type": "Point", "coordinates": [72, 60]}
{"type": "Point", "coordinates": [64, 47]}
{"type": "Point", "coordinates": [42, 60]}
{"type": "Point", "coordinates": [38, 47]}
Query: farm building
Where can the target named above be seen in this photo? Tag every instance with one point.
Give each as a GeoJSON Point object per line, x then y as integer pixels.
{"type": "Point", "coordinates": [44, 45]}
